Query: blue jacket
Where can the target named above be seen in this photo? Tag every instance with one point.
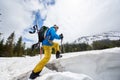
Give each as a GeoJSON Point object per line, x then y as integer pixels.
{"type": "Point", "coordinates": [50, 36]}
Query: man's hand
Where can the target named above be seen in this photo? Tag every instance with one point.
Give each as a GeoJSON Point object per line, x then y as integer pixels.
{"type": "Point", "coordinates": [61, 36]}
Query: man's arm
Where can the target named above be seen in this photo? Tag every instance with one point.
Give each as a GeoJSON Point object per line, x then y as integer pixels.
{"type": "Point", "coordinates": [53, 34]}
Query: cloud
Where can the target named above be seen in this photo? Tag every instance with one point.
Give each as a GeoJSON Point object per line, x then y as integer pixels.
{"type": "Point", "coordinates": [14, 18]}
{"type": "Point", "coordinates": [74, 17]}
{"type": "Point", "coordinates": [84, 17]}
{"type": "Point", "coordinates": [20, 15]}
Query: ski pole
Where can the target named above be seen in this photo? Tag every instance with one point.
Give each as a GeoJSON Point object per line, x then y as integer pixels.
{"type": "Point", "coordinates": [61, 46]}
{"type": "Point", "coordinates": [41, 52]}
{"type": "Point", "coordinates": [40, 48]}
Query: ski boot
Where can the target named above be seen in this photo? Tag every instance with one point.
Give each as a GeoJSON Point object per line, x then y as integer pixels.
{"type": "Point", "coordinates": [34, 75]}
{"type": "Point", "coordinates": [58, 55]}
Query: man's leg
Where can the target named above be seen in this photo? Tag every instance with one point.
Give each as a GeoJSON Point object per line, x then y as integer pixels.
{"type": "Point", "coordinates": [57, 50]}
{"type": "Point", "coordinates": [42, 63]}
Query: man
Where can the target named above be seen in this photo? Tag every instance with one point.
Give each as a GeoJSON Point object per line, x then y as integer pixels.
{"type": "Point", "coordinates": [48, 44]}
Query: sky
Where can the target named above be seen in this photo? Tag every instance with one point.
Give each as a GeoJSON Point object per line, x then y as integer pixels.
{"type": "Point", "coordinates": [75, 18]}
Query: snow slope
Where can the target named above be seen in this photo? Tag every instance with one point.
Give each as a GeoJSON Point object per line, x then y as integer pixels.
{"type": "Point", "coordinates": [88, 65]}
{"type": "Point", "coordinates": [99, 64]}
{"type": "Point", "coordinates": [111, 35]}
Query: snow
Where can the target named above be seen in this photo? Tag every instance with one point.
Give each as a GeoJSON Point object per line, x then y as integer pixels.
{"type": "Point", "coordinates": [64, 76]}
{"type": "Point", "coordinates": [111, 35]}
{"type": "Point", "coordinates": [86, 65]}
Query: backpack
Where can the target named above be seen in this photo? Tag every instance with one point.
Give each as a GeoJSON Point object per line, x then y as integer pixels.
{"type": "Point", "coordinates": [42, 33]}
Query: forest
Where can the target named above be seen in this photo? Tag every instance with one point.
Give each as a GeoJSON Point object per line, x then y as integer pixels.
{"type": "Point", "coordinates": [12, 48]}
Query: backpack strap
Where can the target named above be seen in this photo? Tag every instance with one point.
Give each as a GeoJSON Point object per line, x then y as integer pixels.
{"type": "Point", "coordinates": [45, 33]}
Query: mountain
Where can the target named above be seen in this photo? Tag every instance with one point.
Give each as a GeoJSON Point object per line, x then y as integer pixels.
{"type": "Point", "coordinates": [111, 35]}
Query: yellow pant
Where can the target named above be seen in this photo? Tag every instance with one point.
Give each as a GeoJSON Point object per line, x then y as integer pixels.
{"type": "Point", "coordinates": [47, 55]}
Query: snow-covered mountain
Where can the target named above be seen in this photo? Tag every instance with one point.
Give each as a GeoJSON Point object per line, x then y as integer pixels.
{"type": "Point", "coordinates": [112, 35]}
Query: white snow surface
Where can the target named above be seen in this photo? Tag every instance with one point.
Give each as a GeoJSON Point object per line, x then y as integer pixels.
{"type": "Point", "coordinates": [86, 65]}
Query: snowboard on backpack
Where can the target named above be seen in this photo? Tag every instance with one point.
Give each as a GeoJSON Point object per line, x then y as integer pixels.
{"type": "Point", "coordinates": [41, 34]}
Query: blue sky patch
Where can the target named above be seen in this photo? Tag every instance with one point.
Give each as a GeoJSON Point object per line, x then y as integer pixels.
{"type": "Point", "coordinates": [27, 40]}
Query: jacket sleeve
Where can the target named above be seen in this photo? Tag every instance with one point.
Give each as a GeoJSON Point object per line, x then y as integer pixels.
{"type": "Point", "coordinates": [54, 35]}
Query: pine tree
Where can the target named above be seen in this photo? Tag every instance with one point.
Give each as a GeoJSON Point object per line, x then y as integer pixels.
{"type": "Point", "coordinates": [18, 49]}
{"type": "Point", "coordinates": [2, 48]}
{"type": "Point", "coordinates": [9, 44]}
{"type": "Point", "coordinates": [23, 48]}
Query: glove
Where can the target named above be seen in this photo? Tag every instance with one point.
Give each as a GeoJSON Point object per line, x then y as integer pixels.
{"type": "Point", "coordinates": [61, 36]}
